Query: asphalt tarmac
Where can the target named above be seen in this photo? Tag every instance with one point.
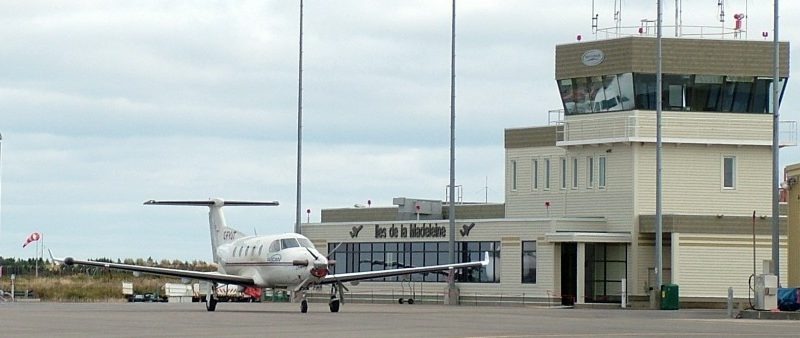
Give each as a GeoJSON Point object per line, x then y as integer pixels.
{"type": "Point", "coordinates": [368, 320]}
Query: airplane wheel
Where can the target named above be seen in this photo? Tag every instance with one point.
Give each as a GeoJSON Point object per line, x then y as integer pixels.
{"type": "Point", "coordinates": [411, 301]}
{"type": "Point", "coordinates": [400, 300]}
{"type": "Point", "coordinates": [304, 306]}
{"type": "Point", "coordinates": [211, 304]}
{"type": "Point", "coordinates": [334, 305]}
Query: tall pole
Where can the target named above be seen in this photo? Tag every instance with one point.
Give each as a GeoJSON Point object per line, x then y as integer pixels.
{"type": "Point", "coordinates": [452, 207]}
{"type": "Point", "coordinates": [298, 206]}
{"type": "Point", "coordinates": [775, 176]}
{"type": "Point", "coordinates": [1, 186]}
{"type": "Point", "coordinates": [659, 229]}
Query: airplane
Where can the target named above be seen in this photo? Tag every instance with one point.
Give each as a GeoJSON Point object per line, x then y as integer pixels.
{"type": "Point", "coordinates": [286, 261]}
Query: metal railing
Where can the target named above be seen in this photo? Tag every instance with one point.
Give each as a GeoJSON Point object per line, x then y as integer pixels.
{"type": "Point", "coordinates": [648, 28]}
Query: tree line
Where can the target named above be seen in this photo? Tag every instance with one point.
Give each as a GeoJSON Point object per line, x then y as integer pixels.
{"type": "Point", "coordinates": [27, 267]}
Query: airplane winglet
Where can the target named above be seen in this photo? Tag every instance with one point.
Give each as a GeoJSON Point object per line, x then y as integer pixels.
{"type": "Point", "coordinates": [485, 260]}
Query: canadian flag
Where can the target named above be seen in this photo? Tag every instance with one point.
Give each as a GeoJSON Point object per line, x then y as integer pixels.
{"type": "Point", "coordinates": [32, 238]}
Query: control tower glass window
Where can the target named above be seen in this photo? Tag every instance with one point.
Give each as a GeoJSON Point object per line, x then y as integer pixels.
{"type": "Point", "coordinates": [680, 92]}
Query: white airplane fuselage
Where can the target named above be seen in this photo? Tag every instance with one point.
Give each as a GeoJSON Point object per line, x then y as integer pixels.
{"type": "Point", "coordinates": [269, 263]}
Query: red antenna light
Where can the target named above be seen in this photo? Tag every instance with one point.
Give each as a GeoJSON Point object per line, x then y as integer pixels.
{"type": "Point", "coordinates": [369, 203]}
{"type": "Point", "coordinates": [308, 215]}
{"type": "Point", "coordinates": [579, 37]}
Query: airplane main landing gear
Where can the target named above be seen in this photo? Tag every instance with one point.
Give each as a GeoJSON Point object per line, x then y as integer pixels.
{"type": "Point", "coordinates": [304, 306]}
{"type": "Point", "coordinates": [211, 299]}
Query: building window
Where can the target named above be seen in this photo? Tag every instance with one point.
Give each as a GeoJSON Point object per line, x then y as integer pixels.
{"type": "Point", "coordinates": [729, 172]}
{"type": "Point", "coordinates": [589, 172]}
{"type": "Point", "coordinates": [601, 173]}
{"type": "Point", "coordinates": [547, 174]}
{"type": "Point", "coordinates": [575, 173]}
{"type": "Point", "coordinates": [529, 262]}
{"type": "Point", "coordinates": [563, 173]}
{"type": "Point", "coordinates": [513, 175]}
{"type": "Point", "coordinates": [360, 257]}
{"type": "Point", "coordinates": [535, 181]}
{"type": "Point", "coordinates": [606, 267]}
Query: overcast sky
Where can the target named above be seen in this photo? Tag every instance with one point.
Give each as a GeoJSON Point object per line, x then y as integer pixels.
{"type": "Point", "coordinates": [106, 104]}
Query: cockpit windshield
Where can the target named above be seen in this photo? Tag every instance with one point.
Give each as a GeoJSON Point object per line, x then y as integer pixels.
{"type": "Point", "coordinates": [289, 243]}
{"type": "Point", "coordinates": [305, 243]}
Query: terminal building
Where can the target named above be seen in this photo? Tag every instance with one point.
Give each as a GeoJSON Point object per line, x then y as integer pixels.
{"type": "Point", "coordinates": [578, 221]}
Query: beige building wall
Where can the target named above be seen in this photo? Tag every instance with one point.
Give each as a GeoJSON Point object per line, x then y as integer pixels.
{"type": "Point", "coordinates": [692, 180]}
{"type": "Point", "coordinates": [708, 264]}
{"type": "Point", "coordinates": [613, 201]}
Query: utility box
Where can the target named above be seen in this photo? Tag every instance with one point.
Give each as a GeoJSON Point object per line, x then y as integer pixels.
{"type": "Point", "coordinates": [766, 292]}
{"type": "Point", "coordinates": [670, 299]}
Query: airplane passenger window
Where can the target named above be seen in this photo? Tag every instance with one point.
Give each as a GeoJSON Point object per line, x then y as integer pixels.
{"type": "Point", "coordinates": [305, 243]}
{"type": "Point", "coordinates": [275, 246]}
{"type": "Point", "coordinates": [289, 243]}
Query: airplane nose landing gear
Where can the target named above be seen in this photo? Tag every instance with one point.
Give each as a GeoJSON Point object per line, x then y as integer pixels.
{"type": "Point", "coordinates": [334, 304]}
{"type": "Point", "coordinates": [337, 296]}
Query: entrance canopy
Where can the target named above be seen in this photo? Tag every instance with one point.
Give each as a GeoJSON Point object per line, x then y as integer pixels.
{"type": "Point", "coordinates": [587, 237]}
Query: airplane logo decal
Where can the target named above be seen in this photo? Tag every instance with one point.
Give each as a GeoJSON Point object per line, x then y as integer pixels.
{"type": "Point", "coordinates": [356, 230]}
{"type": "Point", "coordinates": [465, 229]}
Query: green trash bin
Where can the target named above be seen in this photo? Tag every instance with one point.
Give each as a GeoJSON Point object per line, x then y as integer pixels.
{"type": "Point", "coordinates": [670, 299]}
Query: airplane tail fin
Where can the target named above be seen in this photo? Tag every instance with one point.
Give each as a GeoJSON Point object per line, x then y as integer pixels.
{"type": "Point", "coordinates": [219, 230]}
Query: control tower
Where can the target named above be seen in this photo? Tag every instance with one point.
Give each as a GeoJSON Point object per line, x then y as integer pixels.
{"type": "Point", "coordinates": [599, 160]}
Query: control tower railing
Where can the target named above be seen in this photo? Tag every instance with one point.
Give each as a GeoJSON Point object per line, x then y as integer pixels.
{"type": "Point", "coordinates": [647, 28]}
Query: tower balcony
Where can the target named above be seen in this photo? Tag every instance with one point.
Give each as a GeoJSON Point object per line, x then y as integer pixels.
{"type": "Point", "coordinates": [676, 127]}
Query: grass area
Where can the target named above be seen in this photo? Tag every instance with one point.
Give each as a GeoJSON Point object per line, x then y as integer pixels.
{"type": "Point", "coordinates": [87, 288]}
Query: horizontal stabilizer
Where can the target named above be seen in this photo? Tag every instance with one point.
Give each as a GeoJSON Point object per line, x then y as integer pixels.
{"type": "Point", "coordinates": [213, 202]}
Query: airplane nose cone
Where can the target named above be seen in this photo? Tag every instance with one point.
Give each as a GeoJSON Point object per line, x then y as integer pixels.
{"type": "Point", "coordinates": [319, 272]}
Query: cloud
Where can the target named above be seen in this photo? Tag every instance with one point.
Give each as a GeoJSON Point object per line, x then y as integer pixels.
{"type": "Point", "coordinates": [106, 104]}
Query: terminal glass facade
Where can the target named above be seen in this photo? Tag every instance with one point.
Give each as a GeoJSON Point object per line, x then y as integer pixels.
{"type": "Point", "coordinates": [606, 266]}
{"type": "Point", "coordinates": [360, 257]}
{"type": "Point", "coordinates": [698, 93]}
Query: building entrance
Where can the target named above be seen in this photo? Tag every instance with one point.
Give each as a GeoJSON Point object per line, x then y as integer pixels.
{"type": "Point", "coordinates": [569, 273]}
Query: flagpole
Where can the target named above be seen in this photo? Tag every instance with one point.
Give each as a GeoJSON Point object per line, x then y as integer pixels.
{"type": "Point", "coordinates": [36, 259]}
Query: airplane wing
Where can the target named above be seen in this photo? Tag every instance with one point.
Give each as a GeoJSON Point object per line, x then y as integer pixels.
{"type": "Point", "coordinates": [207, 276]}
{"type": "Point", "coordinates": [353, 276]}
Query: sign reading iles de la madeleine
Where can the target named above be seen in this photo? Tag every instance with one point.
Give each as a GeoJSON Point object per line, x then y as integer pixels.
{"type": "Point", "coordinates": [424, 230]}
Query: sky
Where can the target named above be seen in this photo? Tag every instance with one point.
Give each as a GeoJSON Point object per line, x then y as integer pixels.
{"type": "Point", "coordinates": [107, 104]}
